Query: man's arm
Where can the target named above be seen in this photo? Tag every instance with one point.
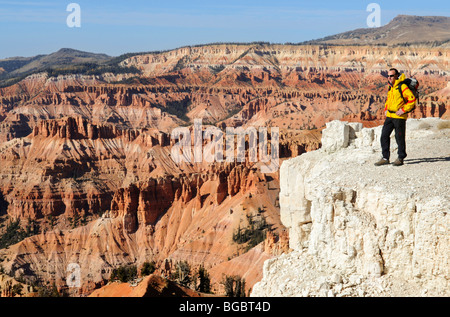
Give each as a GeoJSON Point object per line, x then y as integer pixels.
{"type": "Point", "coordinates": [386, 103]}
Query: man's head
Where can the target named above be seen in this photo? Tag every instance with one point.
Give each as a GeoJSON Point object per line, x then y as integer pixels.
{"type": "Point", "coordinates": [392, 76]}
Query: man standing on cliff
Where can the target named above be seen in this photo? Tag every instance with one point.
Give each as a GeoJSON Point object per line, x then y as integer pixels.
{"type": "Point", "coordinates": [397, 108]}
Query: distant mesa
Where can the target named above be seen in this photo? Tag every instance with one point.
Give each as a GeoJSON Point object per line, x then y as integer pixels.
{"type": "Point", "coordinates": [402, 30]}
{"type": "Point", "coordinates": [16, 68]}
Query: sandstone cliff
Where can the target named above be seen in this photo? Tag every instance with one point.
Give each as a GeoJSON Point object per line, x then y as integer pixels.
{"type": "Point", "coordinates": [360, 230]}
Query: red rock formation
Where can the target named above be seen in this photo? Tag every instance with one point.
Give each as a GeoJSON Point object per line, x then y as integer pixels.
{"type": "Point", "coordinates": [150, 286]}
{"type": "Point", "coordinates": [9, 287]}
{"type": "Point", "coordinates": [90, 160]}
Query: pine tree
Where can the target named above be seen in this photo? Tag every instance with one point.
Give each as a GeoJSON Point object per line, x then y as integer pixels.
{"type": "Point", "coordinates": [204, 281]}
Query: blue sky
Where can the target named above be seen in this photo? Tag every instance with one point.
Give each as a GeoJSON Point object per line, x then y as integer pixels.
{"type": "Point", "coordinates": [28, 27]}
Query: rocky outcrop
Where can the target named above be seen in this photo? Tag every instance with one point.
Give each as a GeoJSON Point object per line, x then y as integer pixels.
{"type": "Point", "coordinates": [79, 128]}
{"type": "Point", "coordinates": [360, 230]}
{"type": "Point", "coordinates": [9, 287]}
{"type": "Point", "coordinates": [145, 202]}
{"type": "Point", "coordinates": [150, 286]}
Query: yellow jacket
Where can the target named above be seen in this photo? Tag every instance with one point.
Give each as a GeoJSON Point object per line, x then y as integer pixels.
{"type": "Point", "coordinates": [395, 101]}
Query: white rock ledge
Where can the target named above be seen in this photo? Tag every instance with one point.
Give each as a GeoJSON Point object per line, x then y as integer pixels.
{"type": "Point", "coordinates": [360, 230]}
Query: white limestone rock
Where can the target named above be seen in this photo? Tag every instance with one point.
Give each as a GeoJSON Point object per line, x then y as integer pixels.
{"type": "Point", "coordinates": [361, 230]}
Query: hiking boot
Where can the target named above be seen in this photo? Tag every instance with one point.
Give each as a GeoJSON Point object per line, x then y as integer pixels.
{"type": "Point", "coordinates": [398, 162]}
{"type": "Point", "coordinates": [383, 161]}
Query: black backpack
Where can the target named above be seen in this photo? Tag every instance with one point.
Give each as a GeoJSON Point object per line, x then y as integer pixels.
{"type": "Point", "coordinates": [413, 85]}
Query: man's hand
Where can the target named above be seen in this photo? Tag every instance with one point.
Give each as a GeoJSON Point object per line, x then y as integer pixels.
{"type": "Point", "coordinates": [399, 112]}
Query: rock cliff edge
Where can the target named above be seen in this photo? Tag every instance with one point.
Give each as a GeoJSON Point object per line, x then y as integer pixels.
{"type": "Point", "coordinates": [360, 230]}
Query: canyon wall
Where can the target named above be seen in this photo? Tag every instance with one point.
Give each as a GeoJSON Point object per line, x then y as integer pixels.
{"type": "Point", "coordinates": [105, 197]}
{"type": "Point", "coordinates": [290, 86]}
{"type": "Point", "coordinates": [87, 159]}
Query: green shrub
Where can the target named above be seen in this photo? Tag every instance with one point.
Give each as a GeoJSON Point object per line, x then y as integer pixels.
{"type": "Point", "coordinates": [124, 273]}
{"type": "Point", "coordinates": [234, 286]}
{"type": "Point", "coordinates": [204, 281]}
{"type": "Point", "coordinates": [46, 291]}
{"type": "Point", "coordinates": [148, 268]}
{"type": "Point", "coordinates": [178, 108]}
{"type": "Point", "coordinates": [15, 233]}
{"type": "Point", "coordinates": [17, 289]}
{"type": "Point", "coordinates": [254, 233]}
{"type": "Point", "coordinates": [182, 274]}
{"type": "Point", "coordinates": [90, 69]}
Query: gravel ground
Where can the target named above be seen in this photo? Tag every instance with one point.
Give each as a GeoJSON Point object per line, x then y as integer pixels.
{"type": "Point", "coordinates": [425, 173]}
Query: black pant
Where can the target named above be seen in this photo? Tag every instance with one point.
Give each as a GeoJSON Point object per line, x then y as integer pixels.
{"type": "Point", "coordinates": [400, 130]}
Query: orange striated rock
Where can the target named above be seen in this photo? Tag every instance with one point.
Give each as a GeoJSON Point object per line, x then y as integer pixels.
{"type": "Point", "coordinates": [9, 287]}
{"type": "Point", "coordinates": [130, 216]}
{"type": "Point", "coordinates": [277, 245]}
{"type": "Point", "coordinates": [90, 160]}
{"type": "Point", "coordinates": [290, 86]}
{"type": "Point", "coordinates": [150, 286]}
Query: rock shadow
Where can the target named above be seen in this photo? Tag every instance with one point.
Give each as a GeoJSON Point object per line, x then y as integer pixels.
{"type": "Point", "coordinates": [427, 160]}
